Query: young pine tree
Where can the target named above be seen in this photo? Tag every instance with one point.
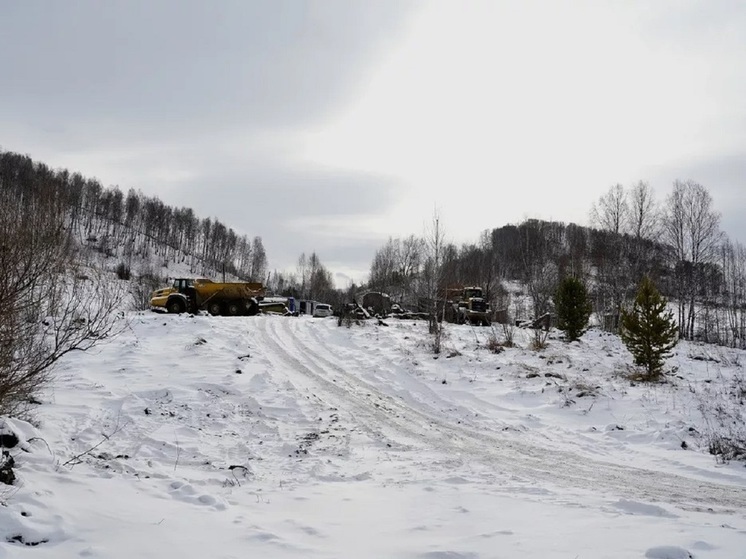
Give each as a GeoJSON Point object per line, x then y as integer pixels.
{"type": "Point", "coordinates": [649, 330]}
{"type": "Point", "coordinates": [573, 307]}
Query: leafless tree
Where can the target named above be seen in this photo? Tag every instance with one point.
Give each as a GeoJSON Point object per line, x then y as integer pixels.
{"type": "Point", "coordinates": [258, 260]}
{"type": "Point", "coordinates": [383, 267]}
{"type": "Point", "coordinates": [435, 244]}
{"type": "Point", "coordinates": [303, 274]}
{"type": "Point", "coordinates": [626, 220]}
{"type": "Point", "coordinates": [539, 273]}
{"type": "Point", "coordinates": [692, 229]}
{"type": "Point", "coordinates": [320, 282]}
{"type": "Point", "coordinates": [611, 211]}
{"type": "Point", "coordinates": [46, 309]}
{"type": "Point", "coordinates": [396, 269]}
{"type": "Point", "coordinates": [642, 215]}
{"type": "Point", "coordinates": [733, 265]}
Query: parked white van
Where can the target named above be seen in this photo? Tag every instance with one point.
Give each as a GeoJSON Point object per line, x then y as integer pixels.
{"type": "Point", "coordinates": [322, 310]}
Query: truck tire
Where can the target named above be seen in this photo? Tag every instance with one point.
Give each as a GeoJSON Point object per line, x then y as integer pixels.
{"type": "Point", "coordinates": [175, 306]}
{"type": "Point", "coordinates": [233, 308]}
{"type": "Point", "coordinates": [214, 308]}
{"type": "Point", "coordinates": [252, 308]}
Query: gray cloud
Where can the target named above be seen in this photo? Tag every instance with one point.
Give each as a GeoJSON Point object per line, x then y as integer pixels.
{"type": "Point", "coordinates": [198, 103]}
{"type": "Point", "coordinates": [284, 202]}
{"type": "Point", "coordinates": [205, 105]}
{"type": "Point", "coordinates": [187, 65]}
{"type": "Point", "coordinates": [695, 25]}
{"type": "Point", "coordinates": [278, 194]}
{"type": "Point", "coordinates": [723, 175]}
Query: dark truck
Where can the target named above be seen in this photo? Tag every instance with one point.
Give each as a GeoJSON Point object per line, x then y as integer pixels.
{"type": "Point", "coordinates": [377, 302]}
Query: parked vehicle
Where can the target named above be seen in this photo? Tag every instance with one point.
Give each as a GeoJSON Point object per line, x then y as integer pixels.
{"type": "Point", "coordinates": [307, 306]}
{"type": "Point", "coordinates": [379, 303]}
{"type": "Point", "coordinates": [467, 304]}
{"type": "Point", "coordinates": [322, 310]}
{"type": "Point", "coordinates": [273, 307]}
{"type": "Point", "coordinates": [460, 305]}
{"type": "Point", "coordinates": [192, 295]}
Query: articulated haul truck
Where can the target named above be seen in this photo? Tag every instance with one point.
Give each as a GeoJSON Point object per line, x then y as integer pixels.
{"type": "Point", "coordinates": [192, 295]}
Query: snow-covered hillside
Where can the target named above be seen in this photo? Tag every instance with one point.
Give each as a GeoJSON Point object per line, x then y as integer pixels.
{"type": "Point", "coordinates": [198, 436]}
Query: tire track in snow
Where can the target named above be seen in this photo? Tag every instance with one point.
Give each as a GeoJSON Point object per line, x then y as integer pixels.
{"type": "Point", "coordinates": [425, 428]}
{"type": "Point", "coordinates": [335, 396]}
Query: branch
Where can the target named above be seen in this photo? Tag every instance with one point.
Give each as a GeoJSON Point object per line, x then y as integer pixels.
{"type": "Point", "coordinates": [94, 447]}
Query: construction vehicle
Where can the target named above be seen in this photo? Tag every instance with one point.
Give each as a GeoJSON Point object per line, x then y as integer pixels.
{"type": "Point", "coordinates": [459, 305]}
{"type": "Point", "coordinates": [192, 295]}
{"type": "Point", "coordinates": [466, 304]}
{"type": "Point", "coordinates": [275, 305]}
{"type": "Point", "coordinates": [377, 302]}
{"type": "Point", "coordinates": [308, 306]}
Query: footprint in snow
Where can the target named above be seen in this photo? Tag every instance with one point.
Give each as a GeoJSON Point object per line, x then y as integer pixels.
{"type": "Point", "coordinates": [667, 552]}
{"type": "Point", "coordinates": [186, 493]}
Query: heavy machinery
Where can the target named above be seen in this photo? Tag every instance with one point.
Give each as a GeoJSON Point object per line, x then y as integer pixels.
{"type": "Point", "coordinates": [187, 294]}
{"type": "Point", "coordinates": [379, 303]}
{"type": "Point", "coordinates": [458, 304]}
{"type": "Point", "coordinates": [276, 305]}
{"type": "Point", "coordinates": [467, 304]}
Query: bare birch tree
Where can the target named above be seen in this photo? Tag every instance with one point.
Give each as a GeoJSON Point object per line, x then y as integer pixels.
{"type": "Point", "coordinates": [692, 229]}
{"type": "Point", "coordinates": [611, 212]}
{"type": "Point", "coordinates": [539, 271]}
{"type": "Point", "coordinates": [733, 264]}
{"type": "Point", "coordinates": [383, 267]}
{"type": "Point", "coordinates": [642, 215]}
{"type": "Point", "coordinates": [643, 225]}
{"type": "Point", "coordinates": [435, 243]}
{"type": "Point", "coordinates": [303, 272]}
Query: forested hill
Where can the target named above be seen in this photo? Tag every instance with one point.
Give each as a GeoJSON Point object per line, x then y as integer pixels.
{"type": "Point", "coordinates": [678, 245]}
{"type": "Point", "coordinates": [133, 228]}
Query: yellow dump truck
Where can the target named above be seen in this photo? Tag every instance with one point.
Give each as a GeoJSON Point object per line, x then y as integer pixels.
{"type": "Point", "coordinates": [192, 295]}
{"type": "Point", "coordinates": [467, 304]}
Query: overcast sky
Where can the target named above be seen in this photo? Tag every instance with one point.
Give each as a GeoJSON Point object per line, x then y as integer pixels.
{"type": "Point", "coordinates": [329, 126]}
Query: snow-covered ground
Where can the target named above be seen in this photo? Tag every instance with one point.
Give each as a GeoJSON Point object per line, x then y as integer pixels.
{"type": "Point", "coordinates": [216, 437]}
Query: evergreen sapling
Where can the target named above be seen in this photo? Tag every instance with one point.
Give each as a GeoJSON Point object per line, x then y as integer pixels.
{"type": "Point", "coordinates": [573, 308]}
{"type": "Point", "coordinates": [649, 330]}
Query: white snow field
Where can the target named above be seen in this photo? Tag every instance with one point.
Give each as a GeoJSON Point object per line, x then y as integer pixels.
{"type": "Point", "coordinates": [278, 437]}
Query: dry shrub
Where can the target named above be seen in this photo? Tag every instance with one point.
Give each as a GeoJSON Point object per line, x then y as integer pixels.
{"type": "Point", "coordinates": [539, 340]}
{"type": "Point", "coordinates": [143, 286]}
{"type": "Point", "coordinates": [722, 404]}
{"type": "Point", "coordinates": [48, 307]}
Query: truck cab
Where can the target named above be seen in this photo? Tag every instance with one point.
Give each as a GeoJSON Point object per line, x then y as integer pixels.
{"type": "Point", "coordinates": [470, 292]}
{"type": "Point", "coordinates": [181, 284]}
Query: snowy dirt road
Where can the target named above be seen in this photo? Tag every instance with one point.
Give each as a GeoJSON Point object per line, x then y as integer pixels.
{"type": "Point", "coordinates": [288, 437]}
{"type": "Point", "coordinates": [435, 428]}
